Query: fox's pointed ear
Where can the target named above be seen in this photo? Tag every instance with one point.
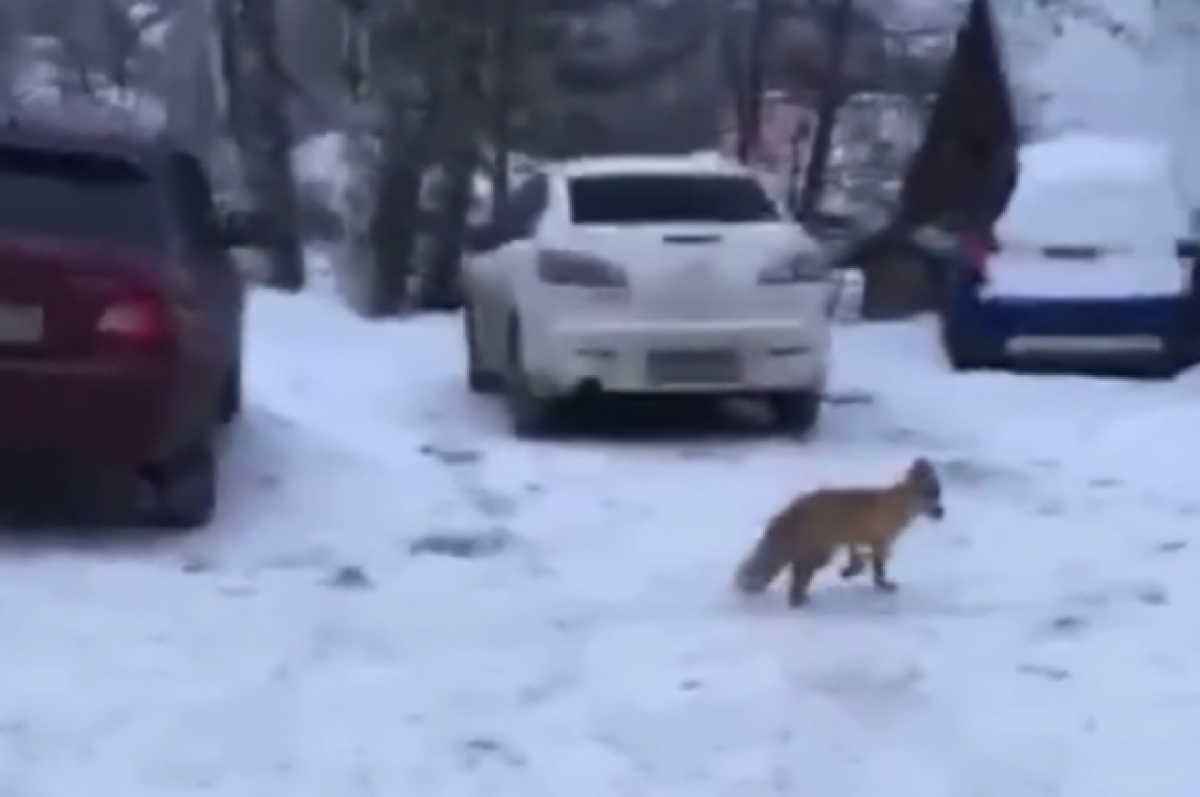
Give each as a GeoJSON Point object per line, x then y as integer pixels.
{"type": "Point", "coordinates": [921, 465]}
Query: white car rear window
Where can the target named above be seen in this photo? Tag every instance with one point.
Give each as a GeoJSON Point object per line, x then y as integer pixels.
{"type": "Point", "coordinates": [639, 199]}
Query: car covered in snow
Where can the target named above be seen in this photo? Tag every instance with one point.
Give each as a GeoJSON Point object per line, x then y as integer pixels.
{"type": "Point", "coordinates": [646, 276]}
{"type": "Point", "coordinates": [1090, 263]}
{"type": "Point", "coordinates": [121, 313]}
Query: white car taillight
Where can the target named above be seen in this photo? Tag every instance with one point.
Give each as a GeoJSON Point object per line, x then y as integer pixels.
{"type": "Point", "coordinates": [800, 268]}
{"type": "Point", "coordinates": [576, 270]}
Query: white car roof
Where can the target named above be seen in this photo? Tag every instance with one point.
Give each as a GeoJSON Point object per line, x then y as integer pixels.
{"type": "Point", "coordinates": [1087, 188]}
{"type": "Point", "coordinates": [649, 165]}
{"type": "Point", "coordinates": [1096, 159]}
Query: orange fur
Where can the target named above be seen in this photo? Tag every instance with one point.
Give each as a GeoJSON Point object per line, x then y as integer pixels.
{"type": "Point", "coordinates": [806, 534]}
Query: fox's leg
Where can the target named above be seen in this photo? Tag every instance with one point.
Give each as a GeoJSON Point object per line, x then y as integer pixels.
{"type": "Point", "coordinates": [802, 571]}
{"type": "Point", "coordinates": [857, 563]}
{"type": "Point", "coordinates": [880, 553]}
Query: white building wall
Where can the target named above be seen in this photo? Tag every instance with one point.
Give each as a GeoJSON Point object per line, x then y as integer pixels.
{"type": "Point", "coordinates": [1082, 75]}
{"type": "Point", "coordinates": [1144, 81]}
{"type": "Point", "coordinates": [1176, 53]}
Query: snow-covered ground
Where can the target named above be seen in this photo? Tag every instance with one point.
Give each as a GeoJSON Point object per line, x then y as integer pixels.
{"type": "Point", "coordinates": [323, 640]}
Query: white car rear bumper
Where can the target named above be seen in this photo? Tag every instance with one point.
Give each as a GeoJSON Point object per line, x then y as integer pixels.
{"type": "Point", "coordinates": [681, 357]}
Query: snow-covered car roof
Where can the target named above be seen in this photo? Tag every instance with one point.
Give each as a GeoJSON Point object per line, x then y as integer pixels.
{"type": "Point", "coordinates": [1094, 158]}
{"type": "Point", "coordinates": [648, 165]}
{"type": "Point", "coordinates": [1095, 189]}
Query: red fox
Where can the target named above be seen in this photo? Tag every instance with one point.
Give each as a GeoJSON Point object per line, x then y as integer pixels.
{"type": "Point", "coordinates": [867, 521]}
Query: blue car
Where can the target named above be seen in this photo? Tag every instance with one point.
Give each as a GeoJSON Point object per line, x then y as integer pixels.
{"type": "Point", "coordinates": [1145, 333]}
{"type": "Point", "coordinates": [1089, 266]}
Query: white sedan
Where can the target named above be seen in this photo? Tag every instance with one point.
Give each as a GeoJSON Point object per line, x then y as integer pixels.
{"type": "Point", "coordinates": [632, 275]}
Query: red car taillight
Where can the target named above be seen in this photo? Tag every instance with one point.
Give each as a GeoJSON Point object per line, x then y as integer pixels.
{"type": "Point", "coordinates": [979, 248]}
{"type": "Point", "coordinates": [140, 323]}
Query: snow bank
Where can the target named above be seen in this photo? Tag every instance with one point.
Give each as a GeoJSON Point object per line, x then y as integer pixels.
{"type": "Point", "coordinates": [323, 167]}
{"type": "Point", "coordinates": [1052, 54]}
{"type": "Point", "coordinates": [1043, 641]}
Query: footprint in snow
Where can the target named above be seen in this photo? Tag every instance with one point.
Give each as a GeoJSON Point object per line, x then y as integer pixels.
{"type": "Point", "coordinates": [462, 545]}
{"type": "Point", "coordinates": [482, 750]}
{"type": "Point", "coordinates": [1045, 671]}
{"type": "Point", "coordinates": [451, 455]}
{"type": "Point", "coordinates": [350, 577]}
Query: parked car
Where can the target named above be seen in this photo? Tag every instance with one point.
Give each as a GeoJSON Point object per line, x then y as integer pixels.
{"type": "Point", "coordinates": [646, 276]}
{"type": "Point", "coordinates": [1090, 264]}
{"type": "Point", "coordinates": [120, 314]}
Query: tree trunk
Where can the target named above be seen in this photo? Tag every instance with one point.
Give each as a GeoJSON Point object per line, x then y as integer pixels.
{"type": "Point", "coordinates": [461, 129]}
{"type": "Point", "coordinates": [506, 73]}
{"type": "Point", "coordinates": [746, 74]}
{"type": "Point", "coordinates": [898, 283]}
{"type": "Point", "coordinates": [11, 33]}
{"type": "Point", "coordinates": [798, 162]}
{"type": "Point", "coordinates": [441, 288]}
{"type": "Point", "coordinates": [266, 140]}
{"type": "Point", "coordinates": [396, 212]}
{"type": "Point", "coordinates": [830, 97]}
{"type": "Point", "coordinates": [409, 68]}
{"type": "Point", "coordinates": [229, 68]}
{"type": "Point", "coordinates": [750, 138]}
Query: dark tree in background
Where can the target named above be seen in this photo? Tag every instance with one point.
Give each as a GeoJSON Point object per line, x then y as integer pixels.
{"type": "Point", "coordinates": [459, 131]}
{"type": "Point", "coordinates": [825, 56]}
{"type": "Point", "coordinates": [830, 95]}
{"type": "Point", "coordinates": [446, 91]}
{"type": "Point", "coordinates": [259, 90]}
{"type": "Point", "coordinates": [963, 171]}
{"type": "Point", "coordinates": [427, 97]}
{"type": "Point", "coordinates": [411, 73]}
{"type": "Point", "coordinates": [746, 61]}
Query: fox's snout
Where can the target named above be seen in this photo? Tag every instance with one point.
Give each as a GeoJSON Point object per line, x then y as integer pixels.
{"type": "Point", "coordinates": [924, 479]}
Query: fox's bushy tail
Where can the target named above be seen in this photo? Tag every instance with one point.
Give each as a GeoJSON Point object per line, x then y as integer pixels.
{"type": "Point", "coordinates": [760, 567]}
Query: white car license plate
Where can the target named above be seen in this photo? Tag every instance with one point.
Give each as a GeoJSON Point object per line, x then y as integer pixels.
{"type": "Point", "coordinates": [1101, 345]}
{"type": "Point", "coordinates": [694, 367]}
{"type": "Point", "coordinates": [21, 323]}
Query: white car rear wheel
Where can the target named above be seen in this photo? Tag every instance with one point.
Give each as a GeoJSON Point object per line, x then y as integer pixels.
{"type": "Point", "coordinates": [531, 415]}
{"type": "Point", "coordinates": [796, 412]}
{"type": "Point", "coordinates": [479, 379]}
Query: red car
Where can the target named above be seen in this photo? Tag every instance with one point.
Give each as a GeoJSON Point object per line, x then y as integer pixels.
{"type": "Point", "coordinates": [121, 315]}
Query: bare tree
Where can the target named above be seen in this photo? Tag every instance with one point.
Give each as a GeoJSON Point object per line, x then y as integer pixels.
{"type": "Point", "coordinates": [507, 87]}
{"type": "Point", "coordinates": [448, 87]}
{"type": "Point", "coordinates": [965, 167]}
{"type": "Point", "coordinates": [460, 126]}
{"type": "Point", "coordinates": [831, 95]}
{"type": "Point", "coordinates": [746, 60]}
{"type": "Point", "coordinates": [12, 28]}
{"type": "Point", "coordinates": [106, 46]}
{"type": "Point", "coordinates": [408, 76]}
{"type": "Point", "coordinates": [258, 89]}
